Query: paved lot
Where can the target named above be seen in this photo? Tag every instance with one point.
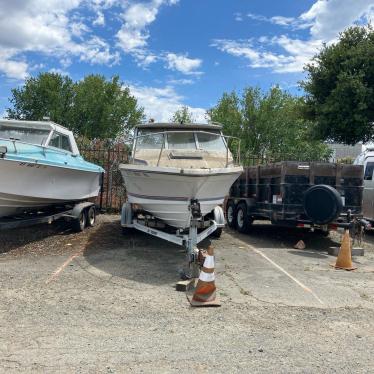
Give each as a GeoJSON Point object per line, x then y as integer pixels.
{"type": "Point", "coordinates": [101, 302]}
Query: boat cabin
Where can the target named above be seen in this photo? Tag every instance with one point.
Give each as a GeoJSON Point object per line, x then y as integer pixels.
{"type": "Point", "coordinates": [40, 133]}
{"type": "Point", "coordinates": [181, 146]}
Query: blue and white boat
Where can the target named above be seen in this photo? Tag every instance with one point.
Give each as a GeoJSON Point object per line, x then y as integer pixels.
{"type": "Point", "coordinates": [40, 165]}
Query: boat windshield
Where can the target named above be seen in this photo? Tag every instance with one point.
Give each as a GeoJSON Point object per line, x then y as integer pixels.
{"type": "Point", "coordinates": [147, 139]}
{"type": "Point", "coordinates": [154, 139]}
{"type": "Point", "coordinates": [211, 142]}
{"type": "Point", "coordinates": [27, 135]}
{"type": "Point", "coordinates": [183, 140]}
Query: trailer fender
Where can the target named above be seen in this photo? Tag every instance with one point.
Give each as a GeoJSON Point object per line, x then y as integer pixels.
{"type": "Point", "coordinates": [79, 208]}
{"type": "Point", "coordinates": [218, 215]}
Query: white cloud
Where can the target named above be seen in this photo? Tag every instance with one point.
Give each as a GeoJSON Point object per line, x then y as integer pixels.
{"type": "Point", "coordinates": [161, 103]}
{"type": "Point", "coordinates": [57, 28]}
{"type": "Point", "coordinates": [12, 68]}
{"type": "Point", "coordinates": [46, 27]}
{"type": "Point", "coordinates": [283, 54]}
{"type": "Point", "coordinates": [100, 19]}
{"type": "Point", "coordinates": [181, 81]}
{"type": "Point", "coordinates": [183, 63]}
{"type": "Point", "coordinates": [78, 29]}
{"type": "Point", "coordinates": [329, 17]}
{"type": "Point", "coordinates": [133, 35]}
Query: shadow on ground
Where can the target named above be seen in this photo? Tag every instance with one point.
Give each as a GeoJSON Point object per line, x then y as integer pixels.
{"type": "Point", "coordinates": [264, 235]}
{"type": "Point", "coordinates": [14, 239]}
{"type": "Point", "coordinates": [135, 256]}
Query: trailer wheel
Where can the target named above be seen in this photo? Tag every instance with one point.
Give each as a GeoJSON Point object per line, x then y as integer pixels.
{"type": "Point", "coordinates": [91, 216]}
{"type": "Point", "coordinates": [230, 214]}
{"type": "Point", "coordinates": [79, 223]}
{"type": "Point", "coordinates": [243, 222]}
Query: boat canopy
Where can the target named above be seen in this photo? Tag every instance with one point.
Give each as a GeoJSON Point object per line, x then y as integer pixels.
{"type": "Point", "coordinates": [44, 133]}
{"type": "Point", "coordinates": [178, 126]}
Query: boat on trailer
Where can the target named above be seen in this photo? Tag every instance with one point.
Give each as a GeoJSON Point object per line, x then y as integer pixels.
{"type": "Point", "coordinates": [40, 166]}
{"type": "Point", "coordinates": [177, 177]}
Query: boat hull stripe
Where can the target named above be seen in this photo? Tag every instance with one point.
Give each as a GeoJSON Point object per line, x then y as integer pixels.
{"type": "Point", "coordinates": [172, 198]}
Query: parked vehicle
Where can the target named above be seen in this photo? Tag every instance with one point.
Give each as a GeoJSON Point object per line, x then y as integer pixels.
{"type": "Point", "coordinates": [178, 176]}
{"type": "Point", "coordinates": [299, 194]}
{"type": "Point", "coordinates": [366, 159]}
{"type": "Point", "coordinates": [40, 168]}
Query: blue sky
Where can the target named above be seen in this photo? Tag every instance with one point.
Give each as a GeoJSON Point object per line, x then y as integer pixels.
{"type": "Point", "coordinates": [171, 52]}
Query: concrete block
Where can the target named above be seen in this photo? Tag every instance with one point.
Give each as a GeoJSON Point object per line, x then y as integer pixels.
{"type": "Point", "coordinates": [356, 251]}
{"type": "Point", "coordinates": [185, 285]}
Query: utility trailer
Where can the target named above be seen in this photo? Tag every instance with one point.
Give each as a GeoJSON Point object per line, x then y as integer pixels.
{"type": "Point", "coordinates": [79, 215]}
{"type": "Point", "coordinates": [318, 195]}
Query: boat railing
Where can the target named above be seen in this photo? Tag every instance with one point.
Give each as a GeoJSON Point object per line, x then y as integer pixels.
{"type": "Point", "coordinates": [225, 139]}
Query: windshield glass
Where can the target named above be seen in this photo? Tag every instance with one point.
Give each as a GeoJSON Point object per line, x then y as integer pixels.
{"type": "Point", "coordinates": [150, 140]}
{"type": "Point", "coordinates": [24, 134]}
{"type": "Point", "coordinates": [211, 142]}
{"type": "Point", "coordinates": [183, 140]}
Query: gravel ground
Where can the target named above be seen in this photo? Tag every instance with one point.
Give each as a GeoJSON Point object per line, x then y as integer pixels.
{"type": "Point", "coordinates": [101, 302]}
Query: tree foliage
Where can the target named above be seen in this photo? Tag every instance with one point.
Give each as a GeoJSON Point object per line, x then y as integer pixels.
{"type": "Point", "coordinates": [340, 88]}
{"type": "Point", "coordinates": [93, 107]}
{"type": "Point", "coordinates": [47, 95]}
{"type": "Point", "coordinates": [103, 109]}
{"type": "Point", "coordinates": [270, 125]}
{"type": "Point", "coordinates": [183, 116]}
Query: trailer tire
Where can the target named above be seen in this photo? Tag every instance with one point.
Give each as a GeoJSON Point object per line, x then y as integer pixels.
{"type": "Point", "coordinates": [243, 222]}
{"type": "Point", "coordinates": [91, 216]}
{"type": "Point", "coordinates": [230, 214]}
{"type": "Point", "coordinates": [322, 204]}
{"type": "Point", "coordinates": [79, 223]}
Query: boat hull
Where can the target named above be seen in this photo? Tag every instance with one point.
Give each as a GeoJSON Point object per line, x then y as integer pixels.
{"type": "Point", "coordinates": [28, 186]}
{"type": "Point", "coordinates": [167, 192]}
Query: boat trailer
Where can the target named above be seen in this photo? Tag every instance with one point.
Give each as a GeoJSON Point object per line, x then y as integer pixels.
{"type": "Point", "coordinates": [189, 238]}
{"type": "Point", "coordinates": [80, 215]}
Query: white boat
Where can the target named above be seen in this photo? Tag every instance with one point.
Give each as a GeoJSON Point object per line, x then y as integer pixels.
{"type": "Point", "coordinates": [176, 169]}
{"type": "Point", "coordinates": [40, 165]}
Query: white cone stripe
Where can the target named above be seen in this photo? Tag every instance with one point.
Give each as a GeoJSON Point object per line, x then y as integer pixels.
{"type": "Point", "coordinates": [206, 277]}
{"type": "Point", "coordinates": [209, 262]}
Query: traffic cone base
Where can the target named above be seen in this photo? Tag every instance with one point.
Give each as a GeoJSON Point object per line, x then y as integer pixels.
{"type": "Point", "coordinates": [205, 294]}
{"type": "Point", "coordinates": [344, 260]}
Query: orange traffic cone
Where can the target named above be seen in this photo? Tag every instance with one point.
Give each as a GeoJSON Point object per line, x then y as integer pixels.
{"type": "Point", "coordinates": [344, 260]}
{"type": "Point", "coordinates": [205, 291]}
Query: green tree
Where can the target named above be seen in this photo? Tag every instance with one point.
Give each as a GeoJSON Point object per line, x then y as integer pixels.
{"type": "Point", "coordinates": [93, 107]}
{"type": "Point", "coordinates": [339, 88]}
{"type": "Point", "coordinates": [103, 109]}
{"type": "Point", "coordinates": [270, 125]}
{"type": "Point", "coordinates": [183, 116]}
{"type": "Point", "coordinates": [47, 95]}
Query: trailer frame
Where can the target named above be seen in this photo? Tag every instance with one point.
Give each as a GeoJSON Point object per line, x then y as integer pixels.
{"type": "Point", "coordinates": [72, 212]}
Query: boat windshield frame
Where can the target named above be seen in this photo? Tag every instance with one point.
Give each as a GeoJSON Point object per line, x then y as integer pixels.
{"type": "Point", "coordinates": [225, 139]}
{"type": "Point", "coordinates": [42, 144]}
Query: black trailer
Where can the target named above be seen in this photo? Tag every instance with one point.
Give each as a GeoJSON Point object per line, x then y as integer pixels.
{"type": "Point", "coordinates": [79, 215]}
{"type": "Point", "coordinates": [298, 194]}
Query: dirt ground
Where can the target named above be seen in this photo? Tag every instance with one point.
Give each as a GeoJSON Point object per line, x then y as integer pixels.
{"type": "Point", "coordinates": [102, 302]}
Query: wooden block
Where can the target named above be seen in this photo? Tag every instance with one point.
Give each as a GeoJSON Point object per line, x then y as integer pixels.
{"type": "Point", "coordinates": [184, 285]}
